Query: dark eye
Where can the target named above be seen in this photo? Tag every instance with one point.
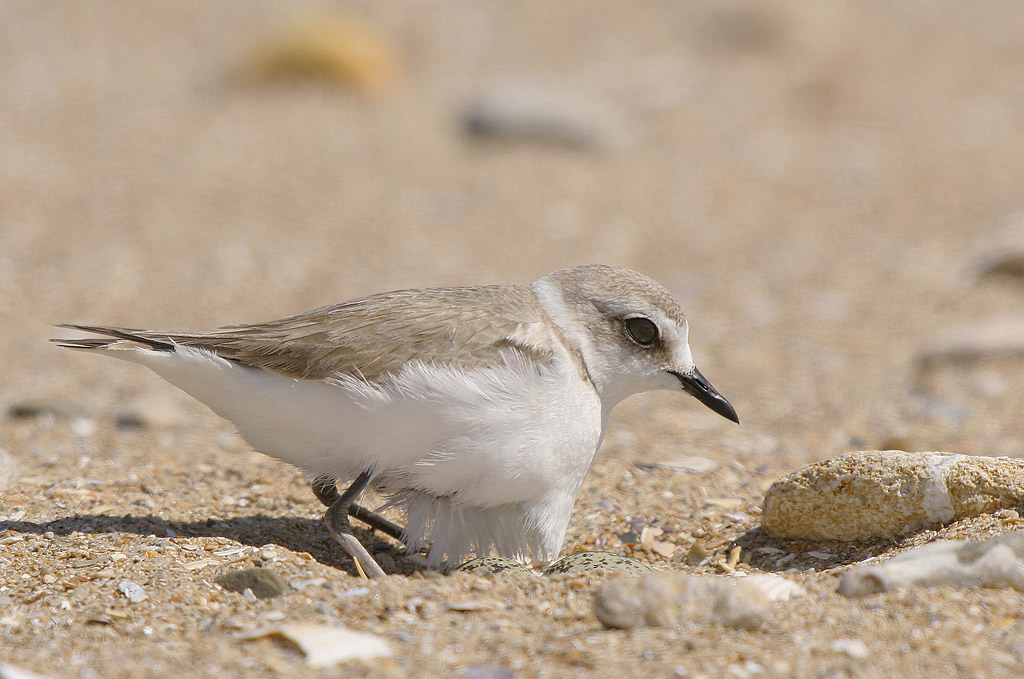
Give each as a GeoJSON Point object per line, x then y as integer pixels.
{"type": "Point", "coordinates": [641, 330]}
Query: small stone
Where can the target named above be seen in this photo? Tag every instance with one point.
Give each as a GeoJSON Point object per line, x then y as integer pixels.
{"type": "Point", "coordinates": [697, 554]}
{"type": "Point", "coordinates": [629, 537]}
{"type": "Point", "coordinates": [995, 563]}
{"type": "Point", "coordinates": [688, 464]}
{"type": "Point", "coordinates": [582, 562]}
{"type": "Point", "coordinates": [663, 549]}
{"type": "Point", "coordinates": [328, 47]}
{"type": "Point", "coordinates": [474, 605]}
{"type": "Point", "coordinates": [132, 590]}
{"type": "Point", "coordinates": [665, 599]}
{"type": "Point", "coordinates": [149, 412]}
{"type": "Point", "coordinates": [775, 587]}
{"type": "Point", "coordinates": [855, 648]}
{"type": "Point", "coordinates": [726, 503]}
{"type": "Point", "coordinates": [1000, 253]}
{"type": "Point", "coordinates": [1002, 336]}
{"type": "Point", "coordinates": [545, 115]}
{"type": "Point", "coordinates": [8, 470]}
{"type": "Point", "coordinates": [57, 408]}
{"type": "Point", "coordinates": [885, 494]}
{"type": "Point", "coordinates": [492, 565]}
{"type": "Point", "coordinates": [326, 645]}
{"type": "Point", "coordinates": [12, 672]}
{"type": "Point", "coordinates": [264, 582]}
{"type": "Point", "coordinates": [300, 585]}
{"type": "Point", "coordinates": [487, 672]}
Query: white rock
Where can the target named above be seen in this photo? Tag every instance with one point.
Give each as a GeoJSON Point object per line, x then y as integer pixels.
{"type": "Point", "coordinates": [855, 648]}
{"type": "Point", "coordinates": [8, 470]}
{"type": "Point", "coordinates": [993, 337]}
{"type": "Point", "coordinates": [664, 599]}
{"type": "Point", "coordinates": [154, 410]}
{"type": "Point", "coordinates": [552, 115]}
{"type": "Point", "coordinates": [690, 464]}
{"type": "Point", "coordinates": [1000, 253]}
{"type": "Point", "coordinates": [884, 494]}
{"type": "Point", "coordinates": [132, 590]}
{"type": "Point", "coordinates": [326, 645]}
{"type": "Point", "coordinates": [12, 672]}
{"type": "Point", "coordinates": [775, 587]}
{"type": "Point", "coordinates": [996, 562]}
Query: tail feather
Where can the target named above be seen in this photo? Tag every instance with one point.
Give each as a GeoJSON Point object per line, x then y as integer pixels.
{"type": "Point", "coordinates": [114, 335]}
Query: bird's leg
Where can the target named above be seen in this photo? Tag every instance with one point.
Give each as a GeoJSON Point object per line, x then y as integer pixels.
{"type": "Point", "coordinates": [336, 519]}
{"type": "Point", "coordinates": [327, 493]}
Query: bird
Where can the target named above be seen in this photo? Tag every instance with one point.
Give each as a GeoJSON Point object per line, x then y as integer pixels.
{"type": "Point", "coordinates": [477, 410]}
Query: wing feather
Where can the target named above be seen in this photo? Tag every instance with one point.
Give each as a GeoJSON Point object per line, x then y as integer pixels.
{"type": "Point", "coordinates": [373, 336]}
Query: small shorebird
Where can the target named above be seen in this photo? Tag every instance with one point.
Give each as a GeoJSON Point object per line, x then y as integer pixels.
{"type": "Point", "coordinates": [478, 409]}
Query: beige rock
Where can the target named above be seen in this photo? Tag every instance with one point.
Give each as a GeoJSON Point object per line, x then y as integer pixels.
{"type": "Point", "coordinates": [995, 337]}
{"type": "Point", "coordinates": [8, 470]}
{"type": "Point", "coordinates": [996, 562]}
{"type": "Point", "coordinates": [327, 645]}
{"type": "Point", "coordinates": [877, 494]}
{"type": "Point", "coordinates": [663, 599]}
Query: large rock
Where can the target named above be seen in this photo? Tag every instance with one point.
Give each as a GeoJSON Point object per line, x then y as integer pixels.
{"type": "Point", "coordinates": [884, 494]}
{"type": "Point", "coordinates": [996, 562]}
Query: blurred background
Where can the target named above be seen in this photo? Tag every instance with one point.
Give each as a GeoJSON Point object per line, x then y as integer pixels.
{"type": "Point", "coordinates": [832, 189]}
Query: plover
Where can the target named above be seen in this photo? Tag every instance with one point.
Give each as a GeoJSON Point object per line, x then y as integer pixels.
{"type": "Point", "coordinates": [477, 409]}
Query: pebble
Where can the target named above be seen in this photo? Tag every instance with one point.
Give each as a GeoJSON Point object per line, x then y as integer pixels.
{"type": "Point", "coordinates": [689, 464]}
{"type": "Point", "coordinates": [582, 562]}
{"type": "Point", "coordinates": [12, 672]}
{"type": "Point", "coordinates": [665, 599]}
{"type": "Point", "coordinates": [57, 408]}
{"type": "Point", "coordinates": [545, 115]}
{"type": "Point", "coordinates": [775, 587]}
{"type": "Point", "coordinates": [263, 582]}
{"type": "Point", "coordinates": [8, 470]}
{"type": "Point", "coordinates": [874, 494]}
{"type": "Point", "coordinates": [854, 648]}
{"type": "Point", "coordinates": [300, 585]}
{"type": "Point", "coordinates": [149, 412]}
{"type": "Point", "coordinates": [474, 605]}
{"type": "Point", "coordinates": [132, 590]}
{"type": "Point", "coordinates": [994, 337]}
{"type": "Point", "coordinates": [487, 672]}
{"type": "Point", "coordinates": [1000, 254]}
{"type": "Point", "coordinates": [994, 563]}
{"type": "Point", "coordinates": [327, 47]}
{"type": "Point", "coordinates": [327, 645]}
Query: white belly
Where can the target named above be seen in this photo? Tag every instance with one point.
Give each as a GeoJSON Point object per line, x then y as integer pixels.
{"type": "Point", "coordinates": [507, 434]}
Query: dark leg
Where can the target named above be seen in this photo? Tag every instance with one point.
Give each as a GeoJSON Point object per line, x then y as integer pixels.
{"type": "Point", "coordinates": [327, 492]}
{"type": "Point", "coordinates": [336, 519]}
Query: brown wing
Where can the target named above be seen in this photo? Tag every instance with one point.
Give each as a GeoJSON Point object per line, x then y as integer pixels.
{"type": "Point", "coordinates": [376, 335]}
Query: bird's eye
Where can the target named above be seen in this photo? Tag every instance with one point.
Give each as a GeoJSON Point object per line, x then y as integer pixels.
{"type": "Point", "coordinates": [641, 330]}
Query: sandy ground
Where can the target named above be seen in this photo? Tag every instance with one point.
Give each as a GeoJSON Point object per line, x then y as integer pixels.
{"type": "Point", "coordinates": [810, 179]}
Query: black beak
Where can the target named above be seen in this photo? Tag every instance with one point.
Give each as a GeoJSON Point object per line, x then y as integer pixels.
{"type": "Point", "coordinates": [697, 385]}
